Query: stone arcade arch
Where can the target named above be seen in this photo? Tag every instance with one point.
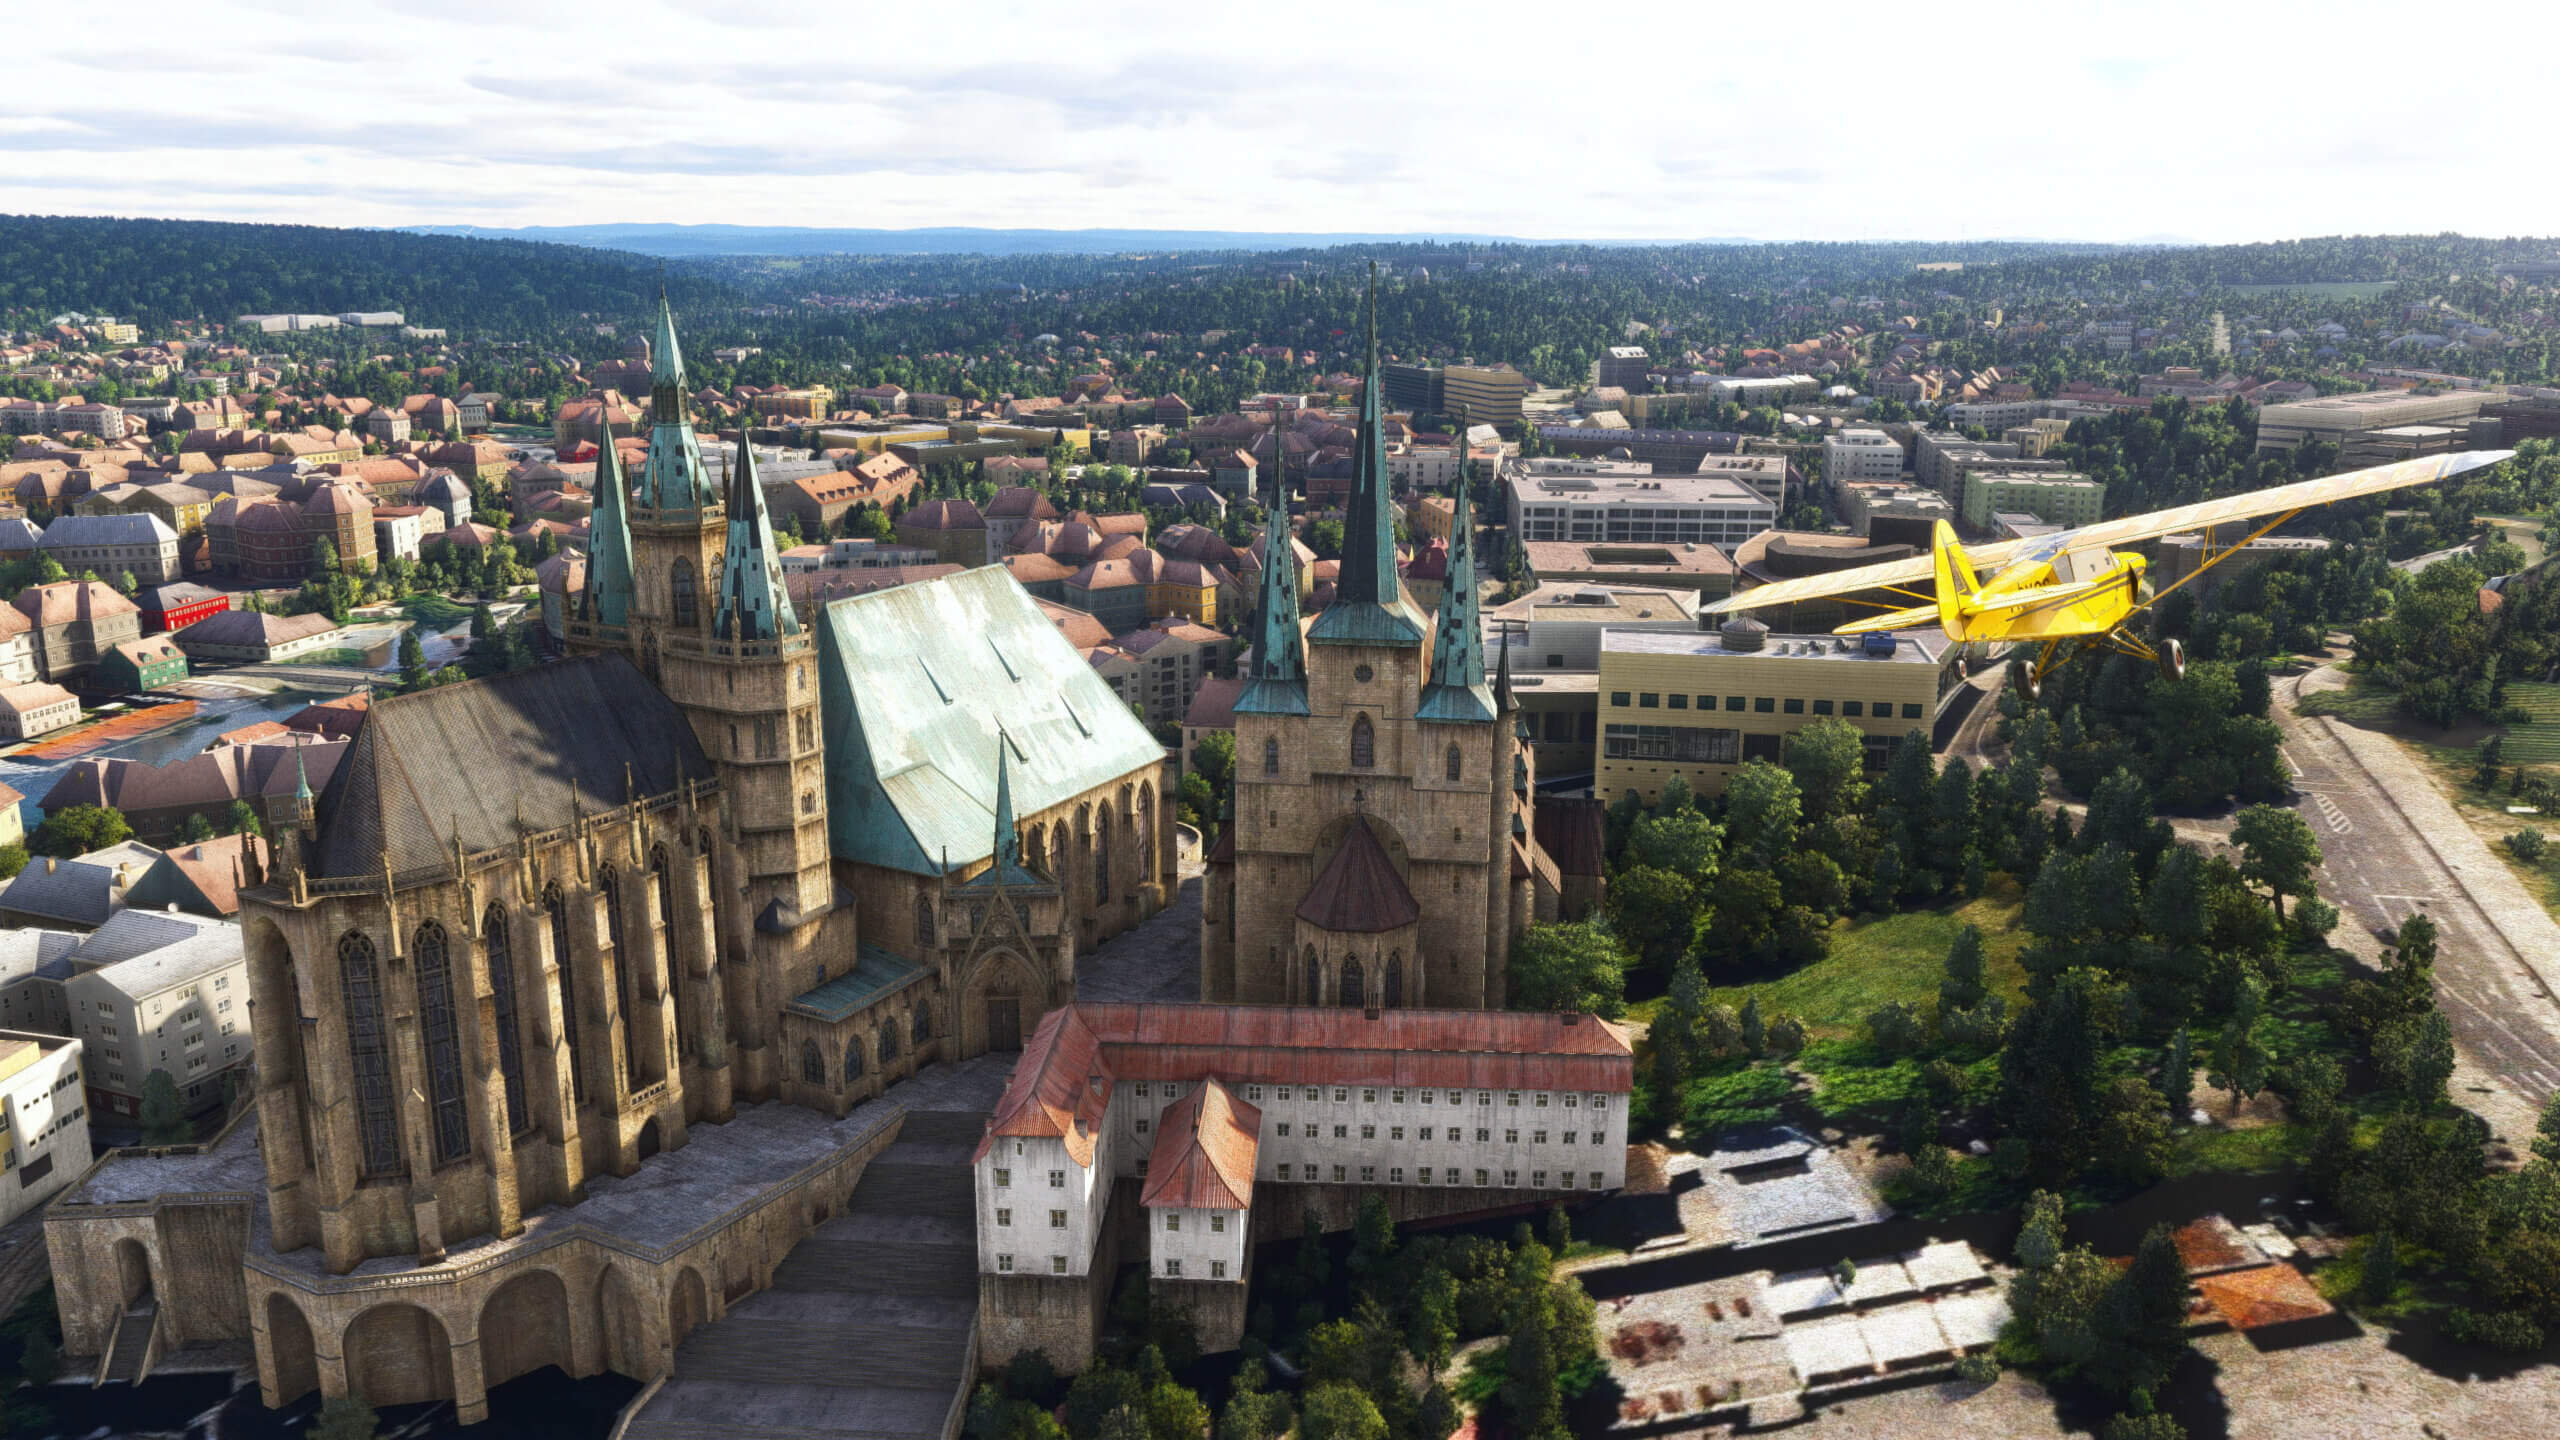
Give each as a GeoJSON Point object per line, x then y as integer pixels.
{"type": "Point", "coordinates": [290, 1351]}
{"type": "Point", "coordinates": [397, 1354]}
{"type": "Point", "coordinates": [525, 1326]}
{"type": "Point", "coordinates": [625, 1330]}
{"type": "Point", "coordinates": [133, 1271]}
{"type": "Point", "coordinates": [688, 1305]}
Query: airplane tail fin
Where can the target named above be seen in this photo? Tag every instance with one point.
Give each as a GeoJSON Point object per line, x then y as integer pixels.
{"type": "Point", "coordinates": [1956, 580]}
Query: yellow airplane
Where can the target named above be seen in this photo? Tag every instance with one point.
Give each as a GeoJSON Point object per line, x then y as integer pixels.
{"type": "Point", "coordinates": [2072, 587]}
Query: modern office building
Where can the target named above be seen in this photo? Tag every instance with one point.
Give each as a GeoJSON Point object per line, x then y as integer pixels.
{"type": "Point", "coordinates": [2065, 498]}
{"type": "Point", "coordinates": [1860, 455]}
{"type": "Point", "coordinates": [1613, 507]}
{"type": "Point", "coordinates": [1700, 705]}
{"type": "Point", "coordinates": [2336, 419]}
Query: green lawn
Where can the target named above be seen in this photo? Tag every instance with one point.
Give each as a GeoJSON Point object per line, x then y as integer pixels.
{"type": "Point", "coordinates": [434, 610]}
{"type": "Point", "coordinates": [353, 658]}
{"type": "Point", "coordinates": [2539, 742]}
{"type": "Point", "coordinates": [1894, 957]}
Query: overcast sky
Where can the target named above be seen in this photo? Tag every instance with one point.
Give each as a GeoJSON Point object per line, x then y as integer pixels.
{"type": "Point", "coordinates": [2063, 119]}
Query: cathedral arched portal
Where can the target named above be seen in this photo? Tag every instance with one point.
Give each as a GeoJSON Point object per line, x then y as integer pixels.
{"type": "Point", "coordinates": [1000, 1003]}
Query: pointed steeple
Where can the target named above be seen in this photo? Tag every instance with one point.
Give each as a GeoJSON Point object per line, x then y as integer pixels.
{"type": "Point", "coordinates": [1277, 682]}
{"type": "Point", "coordinates": [1008, 848]}
{"type": "Point", "coordinates": [754, 603]}
{"type": "Point", "coordinates": [666, 359]}
{"type": "Point", "coordinates": [1369, 605]}
{"type": "Point", "coordinates": [674, 478]}
{"type": "Point", "coordinates": [1456, 690]}
{"type": "Point", "coordinates": [607, 598]}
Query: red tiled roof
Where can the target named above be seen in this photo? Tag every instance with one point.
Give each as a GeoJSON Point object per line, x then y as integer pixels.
{"type": "Point", "coordinates": [1359, 891]}
{"type": "Point", "coordinates": [1204, 1153]}
{"type": "Point", "coordinates": [2266, 1295]}
{"type": "Point", "coordinates": [1277, 1044]}
{"type": "Point", "coordinates": [1213, 706]}
{"type": "Point", "coordinates": [1059, 1088]}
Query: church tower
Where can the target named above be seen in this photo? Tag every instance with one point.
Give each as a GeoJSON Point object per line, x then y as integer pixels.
{"type": "Point", "coordinates": [705, 614]}
{"type": "Point", "coordinates": [1370, 858]}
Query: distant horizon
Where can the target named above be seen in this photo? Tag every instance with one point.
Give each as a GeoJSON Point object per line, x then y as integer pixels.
{"type": "Point", "coordinates": [1428, 119]}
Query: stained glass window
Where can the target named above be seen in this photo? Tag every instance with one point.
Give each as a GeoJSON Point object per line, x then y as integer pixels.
{"type": "Point", "coordinates": [557, 908]}
{"type": "Point", "coordinates": [1354, 985]}
{"type": "Point", "coordinates": [369, 1051]}
{"type": "Point", "coordinates": [502, 1005]}
{"type": "Point", "coordinates": [447, 1107]}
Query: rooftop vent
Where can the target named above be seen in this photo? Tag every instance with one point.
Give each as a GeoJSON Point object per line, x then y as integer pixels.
{"type": "Point", "coordinates": [1743, 633]}
{"type": "Point", "coordinates": [1880, 645]}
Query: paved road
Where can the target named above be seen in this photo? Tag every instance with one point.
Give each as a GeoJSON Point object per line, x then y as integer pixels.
{"type": "Point", "coordinates": [2378, 870]}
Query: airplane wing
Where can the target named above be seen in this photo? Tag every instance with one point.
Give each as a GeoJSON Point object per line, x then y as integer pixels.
{"type": "Point", "coordinates": [2302, 494]}
{"type": "Point", "coordinates": [2328, 489]}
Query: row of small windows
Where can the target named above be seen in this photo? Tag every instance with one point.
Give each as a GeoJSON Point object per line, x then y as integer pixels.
{"type": "Point", "coordinates": [1449, 1175]}
{"type": "Point", "coordinates": [813, 1061]}
{"type": "Point", "coordinates": [1457, 1134]}
{"type": "Point", "coordinates": [1058, 1266]}
{"type": "Point", "coordinates": [1537, 1099]}
{"type": "Point", "coordinates": [1767, 705]}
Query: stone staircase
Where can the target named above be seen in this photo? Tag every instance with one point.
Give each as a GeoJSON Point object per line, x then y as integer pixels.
{"type": "Point", "coordinates": [865, 1333]}
{"type": "Point", "coordinates": [133, 1343]}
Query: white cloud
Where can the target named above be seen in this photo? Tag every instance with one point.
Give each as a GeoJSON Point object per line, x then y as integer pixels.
{"type": "Point", "coordinates": [1855, 120]}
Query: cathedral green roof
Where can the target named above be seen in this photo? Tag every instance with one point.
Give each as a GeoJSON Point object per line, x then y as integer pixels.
{"type": "Point", "coordinates": [919, 685]}
{"type": "Point", "coordinates": [875, 973]}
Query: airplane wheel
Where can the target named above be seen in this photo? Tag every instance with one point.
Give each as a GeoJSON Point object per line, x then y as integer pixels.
{"type": "Point", "coordinates": [2172, 656]}
{"type": "Point", "coordinates": [2022, 673]}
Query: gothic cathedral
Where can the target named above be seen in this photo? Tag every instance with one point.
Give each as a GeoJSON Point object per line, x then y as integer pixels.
{"type": "Point", "coordinates": [1379, 851]}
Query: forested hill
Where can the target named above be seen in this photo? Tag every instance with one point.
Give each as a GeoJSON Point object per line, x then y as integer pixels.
{"type": "Point", "coordinates": [156, 270]}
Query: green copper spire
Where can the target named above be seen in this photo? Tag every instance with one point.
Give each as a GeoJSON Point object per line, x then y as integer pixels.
{"type": "Point", "coordinates": [1004, 861]}
{"type": "Point", "coordinates": [754, 603]}
{"type": "Point", "coordinates": [674, 478]}
{"type": "Point", "coordinates": [1008, 850]}
{"type": "Point", "coordinates": [607, 599]}
{"type": "Point", "coordinates": [666, 360]}
{"type": "Point", "coordinates": [301, 781]}
{"type": "Point", "coordinates": [1277, 682]}
{"type": "Point", "coordinates": [1456, 691]}
{"type": "Point", "coordinates": [1369, 605]}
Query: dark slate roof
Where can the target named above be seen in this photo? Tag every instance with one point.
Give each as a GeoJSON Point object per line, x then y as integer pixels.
{"type": "Point", "coordinates": [69, 891]}
{"type": "Point", "coordinates": [1574, 833]}
{"type": "Point", "coordinates": [1359, 892]}
{"type": "Point", "coordinates": [474, 757]}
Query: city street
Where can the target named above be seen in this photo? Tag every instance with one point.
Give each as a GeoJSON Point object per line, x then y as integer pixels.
{"type": "Point", "coordinates": [2379, 868]}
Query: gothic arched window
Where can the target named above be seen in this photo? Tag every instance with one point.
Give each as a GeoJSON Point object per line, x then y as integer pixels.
{"type": "Point", "coordinates": [1315, 978]}
{"type": "Point", "coordinates": [1102, 856]}
{"type": "Point", "coordinates": [813, 1066]}
{"type": "Point", "coordinates": [853, 1059]}
{"type": "Point", "coordinates": [1355, 990]}
{"type": "Point", "coordinates": [502, 1013]}
{"type": "Point", "coordinates": [665, 876]}
{"type": "Point", "coordinates": [888, 1043]}
{"type": "Point", "coordinates": [626, 979]}
{"type": "Point", "coordinates": [556, 907]}
{"type": "Point", "coordinates": [1457, 762]}
{"type": "Point", "coordinates": [369, 1056]}
{"type": "Point", "coordinates": [923, 1029]}
{"type": "Point", "coordinates": [924, 920]}
{"type": "Point", "coordinates": [1364, 743]}
{"type": "Point", "coordinates": [680, 591]}
{"type": "Point", "coordinates": [1395, 981]}
{"type": "Point", "coordinates": [447, 1111]}
{"type": "Point", "coordinates": [1270, 757]}
{"type": "Point", "coordinates": [1146, 827]}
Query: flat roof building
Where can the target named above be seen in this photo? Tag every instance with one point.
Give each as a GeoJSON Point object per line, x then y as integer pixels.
{"type": "Point", "coordinates": [2333, 419]}
{"type": "Point", "coordinates": [1616, 507]}
{"type": "Point", "coordinates": [1701, 705]}
{"type": "Point", "coordinates": [1687, 565]}
{"type": "Point", "coordinates": [2067, 498]}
